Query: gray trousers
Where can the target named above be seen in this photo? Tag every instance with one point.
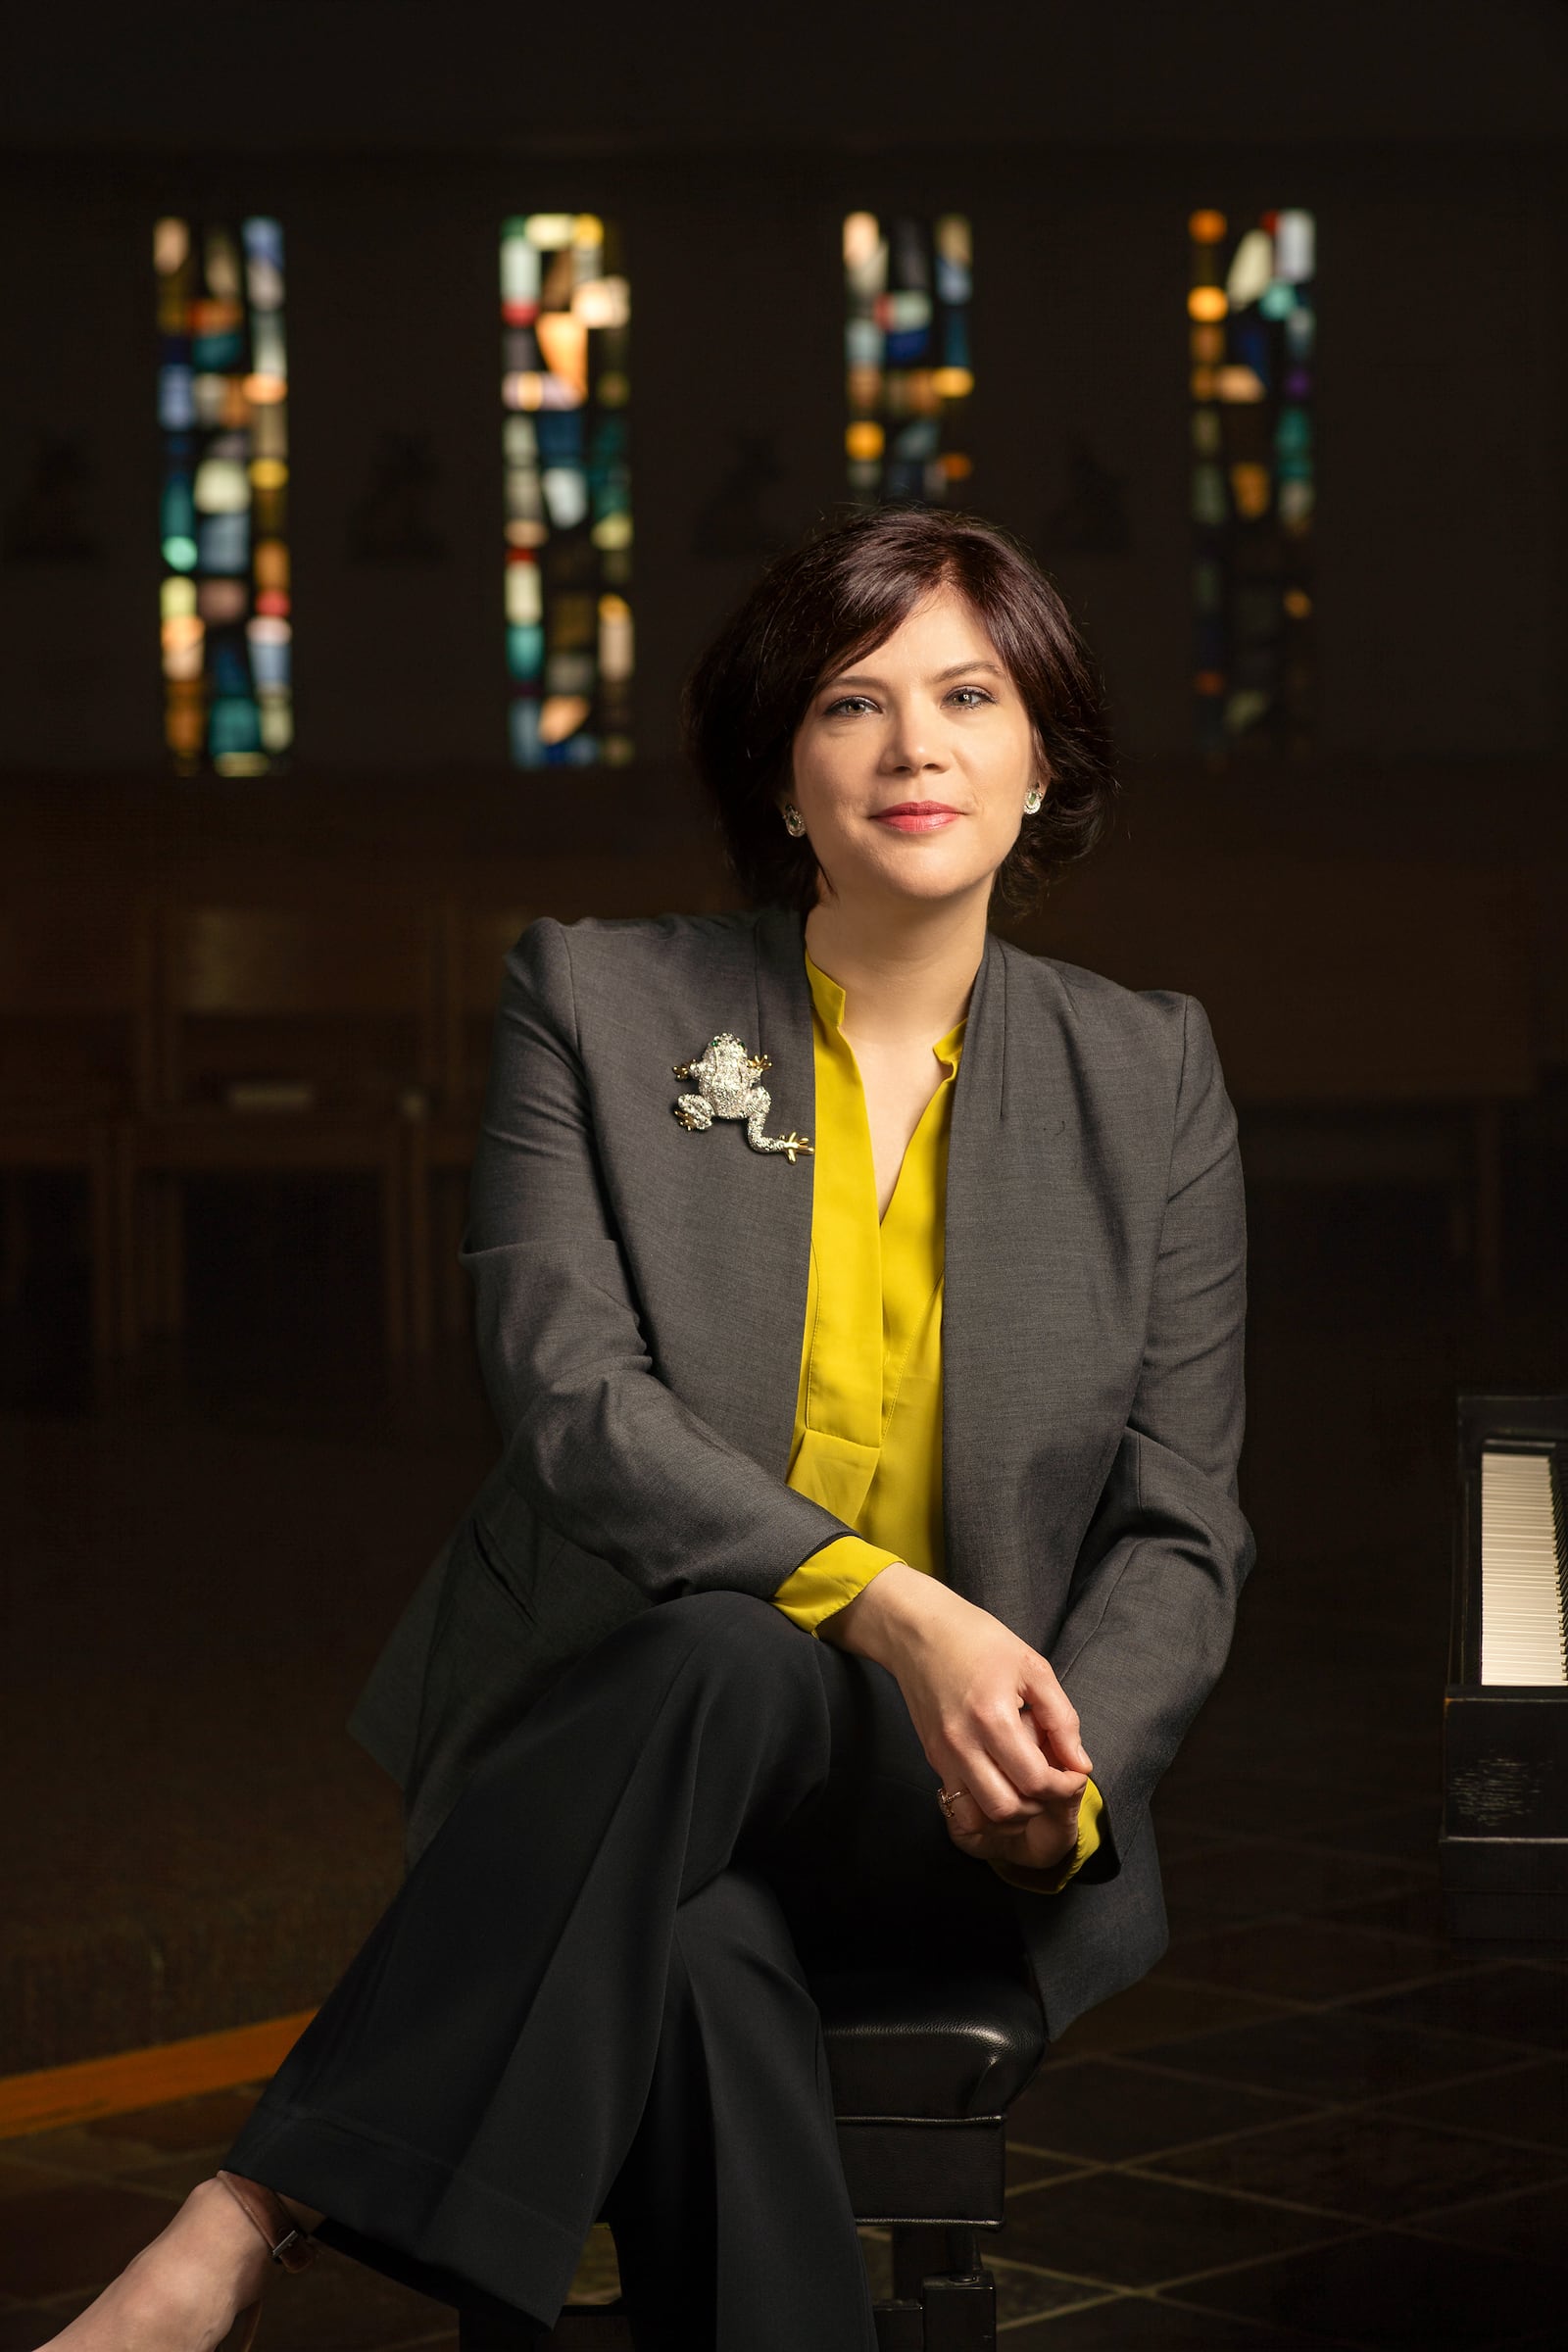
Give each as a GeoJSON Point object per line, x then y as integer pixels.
{"type": "Point", "coordinates": [592, 1994]}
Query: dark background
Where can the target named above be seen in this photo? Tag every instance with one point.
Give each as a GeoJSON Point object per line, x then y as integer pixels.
{"type": "Point", "coordinates": [210, 1519]}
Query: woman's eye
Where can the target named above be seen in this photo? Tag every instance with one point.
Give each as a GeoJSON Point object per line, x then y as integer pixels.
{"type": "Point", "coordinates": [967, 698]}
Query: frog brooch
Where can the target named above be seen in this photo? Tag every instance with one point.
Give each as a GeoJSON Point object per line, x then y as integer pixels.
{"type": "Point", "coordinates": [726, 1078]}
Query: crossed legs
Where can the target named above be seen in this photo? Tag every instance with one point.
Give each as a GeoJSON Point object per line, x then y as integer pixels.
{"type": "Point", "coordinates": [590, 1994]}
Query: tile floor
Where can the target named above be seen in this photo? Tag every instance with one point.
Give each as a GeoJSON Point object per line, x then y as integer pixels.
{"type": "Point", "coordinates": [1317, 2123]}
{"type": "Point", "coordinates": [1309, 2129]}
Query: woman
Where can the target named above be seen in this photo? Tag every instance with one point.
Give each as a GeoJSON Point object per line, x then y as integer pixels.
{"type": "Point", "coordinates": [868, 1296]}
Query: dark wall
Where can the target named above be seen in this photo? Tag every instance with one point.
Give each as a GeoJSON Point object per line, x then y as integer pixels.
{"type": "Point", "coordinates": [356, 75]}
{"type": "Point", "coordinates": [392, 139]}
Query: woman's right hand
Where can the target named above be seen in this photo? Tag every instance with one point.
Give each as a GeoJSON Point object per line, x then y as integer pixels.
{"type": "Point", "coordinates": [989, 1711]}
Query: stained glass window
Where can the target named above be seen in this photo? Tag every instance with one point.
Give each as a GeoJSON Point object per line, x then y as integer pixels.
{"type": "Point", "coordinates": [565, 307]}
{"type": "Point", "coordinates": [1252, 317]}
{"type": "Point", "coordinates": [909, 372]}
{"type": "Point", "coordinates": [223, 406]}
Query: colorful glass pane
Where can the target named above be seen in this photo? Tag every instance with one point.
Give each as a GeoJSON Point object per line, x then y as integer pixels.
{"type": "Point", "coordinates": [908, 368]}
{"type": "Point", "coordinates": [1251, 304]}
{"type": "Point", "coordinates": [222, 411]}
{"type": "Point", "coordinates": [566, 312]}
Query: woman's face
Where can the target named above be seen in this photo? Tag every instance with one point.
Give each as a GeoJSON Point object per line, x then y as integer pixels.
{"type": "Point", "coordinates": [911, 765]}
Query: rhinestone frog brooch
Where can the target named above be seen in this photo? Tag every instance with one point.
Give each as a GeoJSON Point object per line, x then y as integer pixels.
{"type": "Point", "coordinates": [727, 1077]}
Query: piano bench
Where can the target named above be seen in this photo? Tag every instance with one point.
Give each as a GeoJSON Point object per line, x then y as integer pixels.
{"type": "Point", "coordinates": [923, 2073]}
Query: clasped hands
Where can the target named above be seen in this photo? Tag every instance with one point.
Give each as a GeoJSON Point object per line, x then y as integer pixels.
{"type": "Point", "coordinates": [989, 1712]}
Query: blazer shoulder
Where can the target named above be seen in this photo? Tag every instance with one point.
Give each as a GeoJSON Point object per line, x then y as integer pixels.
{"type": "Point", "coordinates": [613, 984]}
{"type": "Point", "coordinates": [1158, 1019]}
{"type": "Point", "coordinates": [621, 943]}
{"type": "Point", "coordinates": [620, 951]}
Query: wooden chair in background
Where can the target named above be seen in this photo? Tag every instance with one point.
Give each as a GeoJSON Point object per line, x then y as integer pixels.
{"type": "Point", "coordinates": [75, 1068]}
{"type": "Point", "coordinates": [290, 1038]}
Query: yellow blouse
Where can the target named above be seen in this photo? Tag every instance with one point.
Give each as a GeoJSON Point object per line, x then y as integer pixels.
{"type": "Point", "coordinates": [867, 1442]}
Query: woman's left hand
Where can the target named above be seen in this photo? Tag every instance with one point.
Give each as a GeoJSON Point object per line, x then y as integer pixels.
{"type": "Point", "coordinates": [1042, 1843]}
{"type": "Point", "coordinates": [994, 1722]}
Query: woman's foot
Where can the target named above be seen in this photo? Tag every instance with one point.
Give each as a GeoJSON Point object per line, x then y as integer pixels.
{"type": "Point", "coordinates": [183, 2292]}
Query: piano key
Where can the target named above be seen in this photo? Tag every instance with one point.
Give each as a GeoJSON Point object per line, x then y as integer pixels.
{"type": "Point", "coordinates": [1522, 1560]}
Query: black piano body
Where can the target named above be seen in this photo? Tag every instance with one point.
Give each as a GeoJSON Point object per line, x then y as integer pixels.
{"type": "Point", "coordinates": [1504, 1848]}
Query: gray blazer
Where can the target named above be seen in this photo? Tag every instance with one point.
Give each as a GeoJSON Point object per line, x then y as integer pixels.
{"type": "Point", "coordinates": [641, 1295]}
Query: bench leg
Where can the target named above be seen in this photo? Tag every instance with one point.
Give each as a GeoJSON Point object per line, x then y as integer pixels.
{"type": "Point", "coordinates": [937, 2273]}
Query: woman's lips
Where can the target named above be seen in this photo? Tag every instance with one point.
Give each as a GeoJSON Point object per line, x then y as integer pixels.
{"type": "Point", "coordinates": [917, 816]}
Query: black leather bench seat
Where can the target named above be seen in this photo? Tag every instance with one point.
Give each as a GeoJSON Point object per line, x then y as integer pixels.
{"type": "Point", "coordinates": [928, 2045]}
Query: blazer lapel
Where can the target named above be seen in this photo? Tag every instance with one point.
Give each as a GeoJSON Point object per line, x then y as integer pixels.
{"type": "Point", "coordinates": [1007, 1175]}
{"type": "Point", "coordinates": [758, 1217]}
{"type": "Point", "coordinates": [718, 1235]}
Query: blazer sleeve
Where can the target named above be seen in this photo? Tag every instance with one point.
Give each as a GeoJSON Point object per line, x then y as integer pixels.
{"type": "Point", "coordinates": [596, 1443]}
{"type": "Point", "coordinates": [1157, 1581]}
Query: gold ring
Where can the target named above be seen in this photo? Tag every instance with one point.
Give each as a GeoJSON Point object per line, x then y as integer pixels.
{"type": "Point", "coordinates": [947, 1799]}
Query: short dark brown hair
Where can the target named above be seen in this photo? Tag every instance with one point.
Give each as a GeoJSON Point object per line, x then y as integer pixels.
{"type": "Point", "coordinates": [844, 590]}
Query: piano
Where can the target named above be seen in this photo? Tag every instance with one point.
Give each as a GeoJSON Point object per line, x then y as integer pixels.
{"type": "Point", "coordinates": [1504, 1848]}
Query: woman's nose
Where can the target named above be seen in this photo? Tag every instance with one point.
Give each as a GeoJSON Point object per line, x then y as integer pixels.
{"type": "Point", "coordinates": [913, 743]}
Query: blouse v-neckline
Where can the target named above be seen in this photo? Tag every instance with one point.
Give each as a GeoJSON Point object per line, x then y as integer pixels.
{"type": "Point", "coordinates": [868, 1431]}
{"type": "Point", "coordinates": [828, 1002]}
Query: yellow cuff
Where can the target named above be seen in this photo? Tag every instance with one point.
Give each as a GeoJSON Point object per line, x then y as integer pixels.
{"type": "Point", "coordinates": [830, 1579]}
{"type": "Point", "coordinates": [1038, 1882]}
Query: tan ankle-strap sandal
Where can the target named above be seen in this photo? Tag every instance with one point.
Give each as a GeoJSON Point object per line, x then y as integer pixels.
{"type": "Point", "coordinates": [291, 2247]}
